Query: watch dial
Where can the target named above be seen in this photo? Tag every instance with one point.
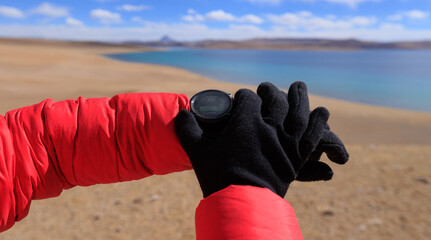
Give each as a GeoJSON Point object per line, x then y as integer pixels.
{"type": "Point", "coordinates": [212, 104]}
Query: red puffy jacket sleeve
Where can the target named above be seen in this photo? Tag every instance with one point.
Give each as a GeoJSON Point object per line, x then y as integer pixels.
{"type": "Point", "coordinates": [245, 213]}
{"type": "Point", "coordinates": [52, 146]}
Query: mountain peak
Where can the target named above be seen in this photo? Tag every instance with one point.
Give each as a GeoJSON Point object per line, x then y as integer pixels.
{"type": "Point", "coordinates": [166, 39]}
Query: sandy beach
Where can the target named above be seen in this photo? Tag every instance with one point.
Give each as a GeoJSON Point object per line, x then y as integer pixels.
{"type": "Point", "coordinates": [383, 192]}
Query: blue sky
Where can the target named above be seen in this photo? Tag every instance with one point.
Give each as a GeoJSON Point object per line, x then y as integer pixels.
{"type": "Point", "coordinates": [119, 20]}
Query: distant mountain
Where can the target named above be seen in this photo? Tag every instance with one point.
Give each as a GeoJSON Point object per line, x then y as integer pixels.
{"type": "Point", "coordinates": [166, 40]}
{"type": "Point", "coordinates": [289, 44]}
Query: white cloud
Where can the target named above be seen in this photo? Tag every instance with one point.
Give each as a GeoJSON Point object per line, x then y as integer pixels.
{"type": "Point", "coordinates": [193, 18]}
{"type": "Point", "coordinates": [412, 14]}
{"type": "Point", "coordinates": [307, 21]}
{"type": "Point", "coordinates": [416, 14]}
{"type": "Point", "coordinates": [74, 22]}
{"type": "Point", "coordinates": [133, 8]}
{"type": "Point", "coordinates": [391, 26]}
{"type": "Point", "coordinates": [349, 3]}
{"type": "Point", "coordinates": [50, 10]}
{"type": "Point", "coordinates": [305, 14]}
{"type": "Point", "coordinates": [105, 16]}
{"type": "Point", "coordinates": [11, 12]}
{"type": "Point", "coordinates": [250, 18]}
{"type": "Point", "coordinates": [395, 17]}
{"type": "Point", "coordinates": [138, 20]}
{"type": "Point", "coordinates": [221, 16]}
{"type": "Point", "coordinates": [191, 11]}
{"type": "Point", "coordinates": [362, 21]}
{"type": "Point", "coordinates": [188, 18]}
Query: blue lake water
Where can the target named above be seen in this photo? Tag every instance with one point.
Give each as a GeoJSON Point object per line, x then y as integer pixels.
{"type": "Point", "coordinates": [395, 78]}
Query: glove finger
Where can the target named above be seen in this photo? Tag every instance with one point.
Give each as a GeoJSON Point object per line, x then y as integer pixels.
{"type": "Point", "coordinates": [247, 104]}
{"type": "Point", "coordinates": [333, 147]}
{"type": "Point", "coordinates": [314, 133]}
{"type": "Point", "coordinates": [187, 128]}
{"type": "Point", "coordinates": [274, 103]}
{"type": "Point", "coordinates": [315, 171]}
{"type": "Point", "coordinates": [315, 155]}
{"type": "Point", "coordinates": [299, 110]}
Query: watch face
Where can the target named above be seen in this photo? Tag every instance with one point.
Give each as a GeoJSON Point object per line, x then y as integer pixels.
{"type": "Point", "coordinates": [211, 104]}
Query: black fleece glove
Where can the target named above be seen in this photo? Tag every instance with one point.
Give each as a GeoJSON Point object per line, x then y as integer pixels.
{"type": "Point", "coordinates": [304, 135]}
{"type": "Point", "coordinates": [252, 148]}
{"type": "Point", "coordinates": [245, 152]}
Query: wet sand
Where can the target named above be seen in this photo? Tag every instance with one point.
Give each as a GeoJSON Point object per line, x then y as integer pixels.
{"type": "Point", "coordinates": [383, 192]}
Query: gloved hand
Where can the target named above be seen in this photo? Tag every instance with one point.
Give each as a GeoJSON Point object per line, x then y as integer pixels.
{"type": "Point", "coordinates": [298, 142]}
{"type": "Point", "coordinates": [259, 145]}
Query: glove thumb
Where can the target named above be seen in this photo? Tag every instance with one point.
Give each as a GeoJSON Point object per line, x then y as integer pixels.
{"type": "Point", "coordinates": [315, 171]}
{"type": "Point", "coordinates": [187, 128]}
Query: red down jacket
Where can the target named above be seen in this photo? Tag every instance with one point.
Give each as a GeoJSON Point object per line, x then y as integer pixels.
{"type": "Point", "coordinates": [52, 146]}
